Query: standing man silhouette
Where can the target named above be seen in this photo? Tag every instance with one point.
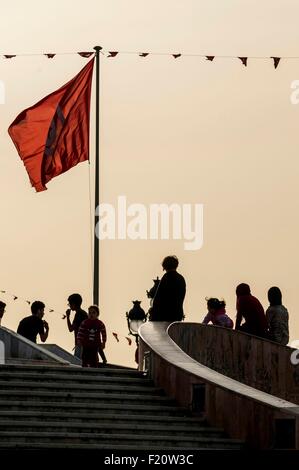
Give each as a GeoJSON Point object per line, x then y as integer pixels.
{"type": "Point", "coordinates": [75, 302]}
{"type": "Point", "coordinates": [170, 294]}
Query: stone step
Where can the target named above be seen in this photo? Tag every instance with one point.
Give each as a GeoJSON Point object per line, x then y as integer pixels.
{"type": "Point", "coordinates": [114, 448]}
{"type": "Point", "coordinates": [57, 407]}
{"type": "Point", "coordinates": [136, 409]}
{"type": "Point", "coordinates": [111, 428]}
{"type": "Point", "coordinates": [69, 378]}
{"type": "Point", "coordinates": [46, 368]}
{"type": "Point", "coordinates": [98, 416]}
{"type": "Point", "coordinates": [17, 361]}
{"type": "Point", "coordinates": [125, 439]}
{"type": "Point", "coordinates": [74, 387]}
{"type": "Point", "coordinates": [125, 398]}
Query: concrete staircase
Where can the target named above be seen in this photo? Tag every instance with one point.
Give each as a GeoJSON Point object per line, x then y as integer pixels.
{"type": "Point", "coordinates": [52, 407]}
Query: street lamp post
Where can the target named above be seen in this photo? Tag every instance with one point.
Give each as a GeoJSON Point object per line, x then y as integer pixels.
{"type": "Point", "coordinates": [135, 318]}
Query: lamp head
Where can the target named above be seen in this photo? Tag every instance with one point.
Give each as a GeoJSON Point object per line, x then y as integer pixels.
{"type": "Point", "coordinates": [136, 317]}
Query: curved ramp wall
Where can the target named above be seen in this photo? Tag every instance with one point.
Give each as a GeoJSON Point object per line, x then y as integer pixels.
{"type": "Point", "coordinates": [263, 421]}
{"type": "Point", "coordinates": [262, 364]}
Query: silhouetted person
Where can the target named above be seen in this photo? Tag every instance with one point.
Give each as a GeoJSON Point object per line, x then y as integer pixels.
{"type": "Point", "coordinates": [217, 314]}
{"type": "Point", "coordinates": [250, 308]}
{"type": "Point", "coordinates": [33, 325]}
{"type": "Point", "coordinates": [2, 310]}
{"type": "Point", "coordinates": [170, 294]}
{"type": "Point", "coordinates": [277, 317]}
{"type": "Point", "coordinates": [92, 338]}
{"type": "Point", "coordinates": [75, 302]}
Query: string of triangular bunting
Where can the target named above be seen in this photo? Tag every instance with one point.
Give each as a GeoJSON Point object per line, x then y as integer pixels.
{"type": "Point", "coordinates": [112, 54]}
{"type": "Point", "coordinates": [15, 297]}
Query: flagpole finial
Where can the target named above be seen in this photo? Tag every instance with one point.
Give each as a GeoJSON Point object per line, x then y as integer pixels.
{"type": "Point", "coordinates": [98, 48]}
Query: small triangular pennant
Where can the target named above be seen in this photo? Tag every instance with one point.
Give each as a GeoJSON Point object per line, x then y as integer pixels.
{"type": "Point", "coordinates": [112, 54]}
{"type": "Point", "coordinates": [276, 61]}
{"type": "Point", "coordinates": [116, 336]}
{"type": "Point", "coordinates": [243, 60]}
{"type": "Point", "coordinates": [85, 54]}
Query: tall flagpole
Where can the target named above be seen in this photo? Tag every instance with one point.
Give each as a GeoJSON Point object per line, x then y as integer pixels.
{"type": "Point", "coordinates": [96, 251]}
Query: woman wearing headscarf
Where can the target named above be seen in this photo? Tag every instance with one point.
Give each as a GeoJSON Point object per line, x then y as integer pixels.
{"type": "Point", "coordinates": [277, 317]}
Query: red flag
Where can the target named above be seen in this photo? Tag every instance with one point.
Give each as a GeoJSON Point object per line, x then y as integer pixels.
{"type": "Point", "coordinates": [53, 135]}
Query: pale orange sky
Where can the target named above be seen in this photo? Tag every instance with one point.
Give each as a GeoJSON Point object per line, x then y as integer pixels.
{"type": "Point", "coordinates": [184, 131]}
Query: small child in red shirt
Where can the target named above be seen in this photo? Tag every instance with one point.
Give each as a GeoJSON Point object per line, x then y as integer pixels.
{"type": "Point", "coordinates": [92, 337]}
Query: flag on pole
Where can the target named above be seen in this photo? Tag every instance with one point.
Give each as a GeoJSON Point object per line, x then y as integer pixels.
{"type": "Point", "coordinates": [53, 135]}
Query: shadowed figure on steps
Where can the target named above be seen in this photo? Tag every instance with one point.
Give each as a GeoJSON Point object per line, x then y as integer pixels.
{"type": "Point", "coordinates": [170, 294]}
